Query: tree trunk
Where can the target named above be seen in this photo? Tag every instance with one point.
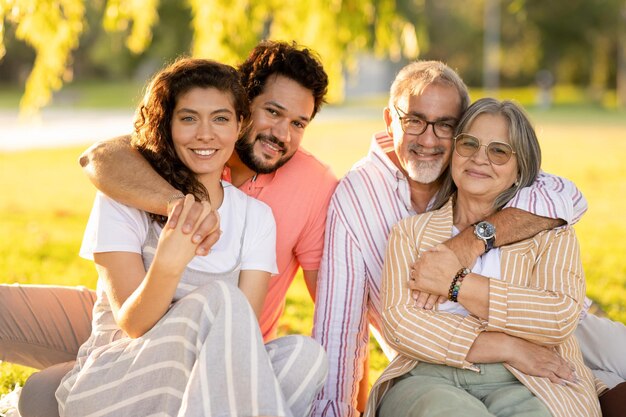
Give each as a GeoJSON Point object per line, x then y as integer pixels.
{"type": "Point", "coordinates": [491, 53]}
{"type": "Point", "coordinates": [621, 61]}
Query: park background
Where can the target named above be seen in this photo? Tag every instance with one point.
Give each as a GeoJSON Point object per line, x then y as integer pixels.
{"type": "Point", "coordinates": [565, 61]}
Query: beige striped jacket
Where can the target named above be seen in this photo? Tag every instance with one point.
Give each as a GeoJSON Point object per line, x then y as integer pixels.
{"type": "Point", "coordinates": [539, 299]}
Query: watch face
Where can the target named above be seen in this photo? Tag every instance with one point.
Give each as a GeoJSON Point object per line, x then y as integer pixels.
{"type": "Point", "coordinates": [485, 230]}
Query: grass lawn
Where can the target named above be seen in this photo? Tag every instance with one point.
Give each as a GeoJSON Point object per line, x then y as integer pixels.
{"type": "Point", "coordinates": [46, 201]}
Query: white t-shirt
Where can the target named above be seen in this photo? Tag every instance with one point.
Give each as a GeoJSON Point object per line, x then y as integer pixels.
{"type": "Point", "coordinates": [115, 227]}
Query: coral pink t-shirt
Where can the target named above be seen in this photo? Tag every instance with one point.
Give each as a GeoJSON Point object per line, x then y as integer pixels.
{"type": "Point", "coordinates": [298, 194]}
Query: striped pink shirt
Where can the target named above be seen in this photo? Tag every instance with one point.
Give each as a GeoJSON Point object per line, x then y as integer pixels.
{"type": "Point", "coordinates": [368, 201]}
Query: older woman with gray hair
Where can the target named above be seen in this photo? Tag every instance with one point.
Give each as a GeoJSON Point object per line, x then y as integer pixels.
{"type": "Point", "coordinates": [489, 350]}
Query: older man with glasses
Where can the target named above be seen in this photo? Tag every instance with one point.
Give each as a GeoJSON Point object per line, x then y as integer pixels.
{"type": "Point", "coordinates": [400, 177]}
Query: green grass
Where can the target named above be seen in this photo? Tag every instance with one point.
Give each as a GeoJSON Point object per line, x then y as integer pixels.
{"type": "Point", "coordinates": [46, 200]}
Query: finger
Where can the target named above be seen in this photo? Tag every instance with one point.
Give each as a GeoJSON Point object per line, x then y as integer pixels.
{"type": "Point", "coordinates": [431, 301]}
{"type": "Point", "coordinates": [208, 224]}
{"type": "Point", "coordinates": [565, 371]}
{"type": "Point", "coordinates": [205, 246]}
{"type": "Point", "coordinates": [442, 299]}
{"type": "Point", "coordinates": [421, 299]}
{"type": "Point", "coordinates": [415, 294]}
{"type": "Point", "coordinates": [191, 217]}
{"type": "Point", "coordinates": [174, 209]}
{"type": "Point", "coordinates": [186, 205]}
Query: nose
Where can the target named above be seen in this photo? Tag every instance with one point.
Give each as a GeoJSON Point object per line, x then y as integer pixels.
{"type": "Point", "coordinates": [204, 132]}
{"type": "Point", "coordinates": [428, 139]}
{"type": "Point", "coordinates": [280, 130]}
{"type": "Point", "coordinates": [481, 154]}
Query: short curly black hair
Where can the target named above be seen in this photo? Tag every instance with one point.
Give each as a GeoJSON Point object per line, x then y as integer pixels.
{"type": "Point", "coordinates": [290, 60]}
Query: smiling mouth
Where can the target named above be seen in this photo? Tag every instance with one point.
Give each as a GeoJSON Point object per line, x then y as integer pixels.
{"type": "Point", "coordinates": [204, 152]}
{"type": "Point", "coordinates": [426, 154]}
{"type": "Point", "coordinates": [272, 146]}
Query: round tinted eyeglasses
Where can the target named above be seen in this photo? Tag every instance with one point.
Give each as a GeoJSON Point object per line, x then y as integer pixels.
{"type": "Point", "coordinates": [498, 153]}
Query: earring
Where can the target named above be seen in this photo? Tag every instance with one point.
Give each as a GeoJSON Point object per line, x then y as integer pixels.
{"type": "Point", "coordinates": [516, 182]}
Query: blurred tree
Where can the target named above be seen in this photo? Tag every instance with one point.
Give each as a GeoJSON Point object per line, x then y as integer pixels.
{"type": "Point", "coordinates": [579, 42]}
{"type": "Point", "coordinates": [52, 29]}
{"type": "Point", "coordinates": [621, 59]}
{"type": "Point", "coordinates": [224, 30]}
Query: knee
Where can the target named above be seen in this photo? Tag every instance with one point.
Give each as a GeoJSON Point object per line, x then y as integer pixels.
{"type": "Point", "coordinates": [301, 358]}
{"type": "Point", "coordinates": [37, 397]}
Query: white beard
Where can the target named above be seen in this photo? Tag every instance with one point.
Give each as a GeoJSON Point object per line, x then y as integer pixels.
{"type": "Point", "coordinates": [425, 172]}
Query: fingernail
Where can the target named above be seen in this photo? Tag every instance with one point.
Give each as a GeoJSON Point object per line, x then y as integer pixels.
{"type": "Point", "coordinates": [196, 238]}
{"type": "Point", "coordinates": [187, 228]}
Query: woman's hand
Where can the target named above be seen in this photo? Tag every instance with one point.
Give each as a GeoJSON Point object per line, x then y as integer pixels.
{"type": "Point", "coordinates": [207, 231]}
{"type": "Point", "coordinates": [176, 248]}
{"type": "Point", "coordinates": [432, 274]}
{"type": "Point", "coordinates": [540, 361]}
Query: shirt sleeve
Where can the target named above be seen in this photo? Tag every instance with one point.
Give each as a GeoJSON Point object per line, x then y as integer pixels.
{"type": "Point", "coordinates": [310, 244]}
{"type": "Point", "coordinates": [340, 323]}
{"type": "Point", "coordinates": [113, 227]}
{"type": "Point", "coordinates": [546, 310]}
{"type": "Point", "coordinates": [424, 335]}
{"type": "Point", "coordinates": [553, 197]}
{"type": "Point", "coordinates": [259, 246]}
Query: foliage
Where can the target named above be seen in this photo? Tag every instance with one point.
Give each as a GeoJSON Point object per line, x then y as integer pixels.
{"type": "Point", "coordinates": [224, 30]}
{"type": "Point", "coordinates": [52, 28]}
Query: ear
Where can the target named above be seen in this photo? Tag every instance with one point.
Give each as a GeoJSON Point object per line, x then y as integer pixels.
{"type": "Point", "coordinates": [241, 124]}
{"type": "Point", "coordinates": [388, 121]}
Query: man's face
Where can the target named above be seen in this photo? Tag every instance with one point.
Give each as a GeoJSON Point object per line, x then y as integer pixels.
{"type": "Point", "coordinates": [424, 157]}
{"type": "Point", "coordinates": [280, 115]}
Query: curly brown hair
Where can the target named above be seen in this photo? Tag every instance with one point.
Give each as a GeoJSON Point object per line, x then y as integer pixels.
{"type": "Point", "coordinates": [153, 119]}
{"type": "Point", "coordinates": [295, 62]}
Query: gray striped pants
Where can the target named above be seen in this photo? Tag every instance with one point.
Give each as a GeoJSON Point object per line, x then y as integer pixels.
{"type": "Point", "coordinates": [205, 357]}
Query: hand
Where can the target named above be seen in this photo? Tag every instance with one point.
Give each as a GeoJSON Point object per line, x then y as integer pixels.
{"type": "Point", "coordinates": [175, 248]}
{"type": "Point", "coordinates": [540, 361]}
{"type": "Point", "coordinates": [432, 273]}
{"type": "Point", "coordinates": [207, 232]}
{"type": "Point", "coordinates": [425, 300]}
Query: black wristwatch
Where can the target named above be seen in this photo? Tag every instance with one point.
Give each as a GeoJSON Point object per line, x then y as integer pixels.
{"type": "Point", "coordinates": [486, 232]}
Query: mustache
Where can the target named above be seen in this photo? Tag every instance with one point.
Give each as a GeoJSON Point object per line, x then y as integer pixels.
{"type": "Point", "coordinates": [414, 147]}
{"type": "Point", "coordinates": [273, 139]}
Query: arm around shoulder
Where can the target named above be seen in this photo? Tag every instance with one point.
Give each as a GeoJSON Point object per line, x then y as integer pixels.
{"type": "Point", "coordinates": [118, 170]}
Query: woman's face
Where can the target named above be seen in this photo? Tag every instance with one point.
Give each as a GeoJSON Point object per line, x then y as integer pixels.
{"type": "Point", "coordinates": [476, 175]}
{"type": "Point", "coordinates": [204, 130]}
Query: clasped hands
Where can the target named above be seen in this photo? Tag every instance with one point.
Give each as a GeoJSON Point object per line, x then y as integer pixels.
{"type": "Point", "coordinates": [192, 229]}
{"type": "Point", "coordinates": [431, 274]}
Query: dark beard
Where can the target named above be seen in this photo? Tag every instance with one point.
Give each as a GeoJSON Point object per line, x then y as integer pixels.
{"type": "Point", "coordinates": [245, 151]}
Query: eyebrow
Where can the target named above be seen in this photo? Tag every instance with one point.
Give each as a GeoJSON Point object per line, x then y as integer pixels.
{"type": "Point", "coordinates": [440, 119]}
{"type": "Point", "coordinates": [187, 110]}
{"type": "Point", "coordinates": [283, 108]}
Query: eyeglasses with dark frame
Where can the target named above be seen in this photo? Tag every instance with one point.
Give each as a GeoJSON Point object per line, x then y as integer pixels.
{"type": "Point", "coordinates": [498, 153]}
{"type": "Point", "coordinates": [414, 125]}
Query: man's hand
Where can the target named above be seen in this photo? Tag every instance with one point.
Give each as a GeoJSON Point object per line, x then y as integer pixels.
{"type": "Point", "coordinates": [540, 361]}
{"type": "Point", "coordinates": [207, 232]}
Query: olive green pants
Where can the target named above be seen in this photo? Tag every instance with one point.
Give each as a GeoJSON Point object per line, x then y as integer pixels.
{"type": "Point", "coordinates": [437, 390]}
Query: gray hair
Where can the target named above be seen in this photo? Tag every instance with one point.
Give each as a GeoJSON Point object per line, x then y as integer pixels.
{"type": "Point", "coordinates": [414, 77]}
{"type": "Point", "coordinates": [523, 140]}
